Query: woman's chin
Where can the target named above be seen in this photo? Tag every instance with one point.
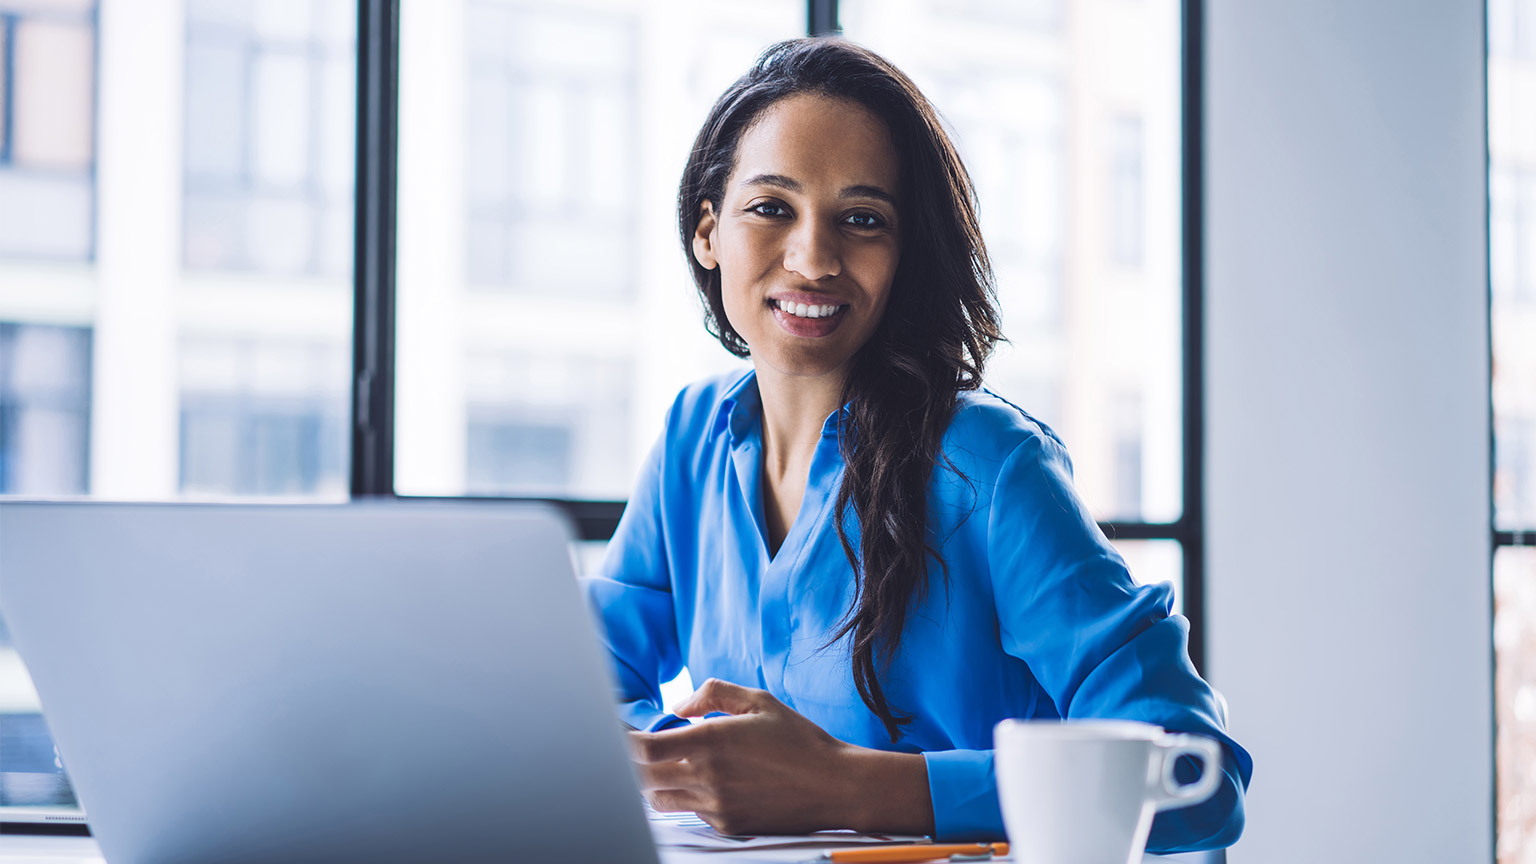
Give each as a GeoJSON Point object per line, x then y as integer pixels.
{"type": "Point", "coordinates": [803, 365]}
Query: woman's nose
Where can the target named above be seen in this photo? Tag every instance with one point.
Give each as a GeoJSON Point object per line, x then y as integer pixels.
{"type": "Point", "coordinates": [813, 251]}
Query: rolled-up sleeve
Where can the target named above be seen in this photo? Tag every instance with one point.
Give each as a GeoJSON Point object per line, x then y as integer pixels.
{"type": "Point", "coordinates": [632, 601]}
{"type": "Point", "coordinates": [1098, 644]}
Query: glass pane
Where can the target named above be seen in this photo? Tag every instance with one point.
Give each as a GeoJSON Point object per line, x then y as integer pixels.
{"type": "Point", "coordinates": [1154, 561]}
{"type": "Point", "coordinates": [270, 92]}
{"type": "Point", "coordinates": [1079, 189]}
{"type": "Point", "coordinates": [1514, 637]}
{"type": "Point", "coordinates": [546, 318]}
{"type": "Point", "coordinates": [1512, 252]}
{"type": "Point", "coordinates": [263, 364]}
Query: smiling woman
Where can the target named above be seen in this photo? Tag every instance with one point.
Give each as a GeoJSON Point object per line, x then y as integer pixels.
{"type": "Point", "coordinates": [873, 559]}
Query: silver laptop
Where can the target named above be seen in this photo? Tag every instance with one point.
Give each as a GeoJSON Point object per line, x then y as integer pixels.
{"type": "Point", "coordinates": [363, 682]}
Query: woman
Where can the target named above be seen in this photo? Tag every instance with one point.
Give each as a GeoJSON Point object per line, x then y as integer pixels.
{"type": "Point", "coordinates": [870, 559]}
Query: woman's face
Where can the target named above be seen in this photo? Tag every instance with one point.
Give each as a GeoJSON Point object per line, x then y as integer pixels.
{"type": "Point", "coordinates": [806, 237]}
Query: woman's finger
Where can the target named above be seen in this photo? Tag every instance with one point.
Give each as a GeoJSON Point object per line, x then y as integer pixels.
{"type": "Point", "coordinates": [669, 745]}
{"type": "Point", "coordinates": [716, 695]}
{"type": "Point", "coordinates": [674, 800]}
{"type": "Point", "coordinates": [678, 776]}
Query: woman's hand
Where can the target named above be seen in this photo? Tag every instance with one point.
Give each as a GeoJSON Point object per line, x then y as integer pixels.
{"type": "Point", "coordinates": [768, 770]}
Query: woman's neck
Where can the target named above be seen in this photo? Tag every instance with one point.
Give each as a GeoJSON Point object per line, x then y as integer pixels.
{"type": "Point", "coordinates": [795, 408]}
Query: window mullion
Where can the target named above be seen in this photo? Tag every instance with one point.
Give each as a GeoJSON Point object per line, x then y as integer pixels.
{"type": "Point", "coordinates": [1193, 238]}
{"type": "Point", "coordinates": [821, 18]}
{"type": "Point", "coordinates": [373, 346]}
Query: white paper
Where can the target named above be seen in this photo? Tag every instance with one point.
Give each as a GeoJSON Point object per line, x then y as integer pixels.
{"type": "Point", "coordinates": [688, 831]}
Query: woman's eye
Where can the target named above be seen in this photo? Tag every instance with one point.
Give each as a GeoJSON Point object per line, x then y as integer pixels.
{"type": "Point", "coordinates": [865, 220]}
{"type": "Point", "coordinates": [766, 208]}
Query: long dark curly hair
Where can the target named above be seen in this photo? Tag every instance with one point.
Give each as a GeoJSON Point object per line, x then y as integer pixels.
{"type": "Point", "coordinates": [939, 327]}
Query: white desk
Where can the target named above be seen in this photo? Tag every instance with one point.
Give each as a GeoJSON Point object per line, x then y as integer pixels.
{"type": "Point", "coordinates": [22, 849]}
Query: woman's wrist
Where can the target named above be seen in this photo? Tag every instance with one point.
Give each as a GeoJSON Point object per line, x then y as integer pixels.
{"type": "Point", "coordinates": [885, 792]}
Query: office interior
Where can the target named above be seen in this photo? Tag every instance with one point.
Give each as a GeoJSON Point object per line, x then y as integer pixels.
{"type": "Point", "coordinates": [1269, 268]}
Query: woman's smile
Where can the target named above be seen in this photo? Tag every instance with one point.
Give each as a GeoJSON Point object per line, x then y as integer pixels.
{"type": "Point", "coordinates": [807, 315]}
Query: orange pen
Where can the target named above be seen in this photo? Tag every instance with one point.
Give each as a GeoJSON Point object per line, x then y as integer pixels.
{"type": "Point", "coordinates": [914, 852]}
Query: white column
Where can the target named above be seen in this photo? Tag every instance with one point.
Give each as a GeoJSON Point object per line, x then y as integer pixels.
{"type": "Point", "coordinates": [1348, 457]}
{"type": "Point", "coordinates": [429, 368]}
{"type": "Point", "coordinates": [138, 236]}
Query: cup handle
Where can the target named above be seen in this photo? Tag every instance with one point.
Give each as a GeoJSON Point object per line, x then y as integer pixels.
{"type": "Point", "coordinates": [1166, 791]}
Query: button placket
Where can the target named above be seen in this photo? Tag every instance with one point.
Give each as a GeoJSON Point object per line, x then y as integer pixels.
{"type": "Point", "coordinates": [778, 620]}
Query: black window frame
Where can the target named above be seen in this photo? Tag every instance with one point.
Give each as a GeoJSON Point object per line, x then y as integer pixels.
{"type": "Point", "coordinates": [372, 453]}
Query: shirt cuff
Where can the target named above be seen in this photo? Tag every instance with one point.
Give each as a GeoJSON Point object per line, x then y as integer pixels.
{"type": "Point", "coordinates": [668, 721]}
{"type": "Point", "coordinates": [964, 795]}
{"type": "Point", "coordinates": [644, 716]}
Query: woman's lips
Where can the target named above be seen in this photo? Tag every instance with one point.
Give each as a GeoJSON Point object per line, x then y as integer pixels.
{"type": "Point", "coordinates": [810, 328]}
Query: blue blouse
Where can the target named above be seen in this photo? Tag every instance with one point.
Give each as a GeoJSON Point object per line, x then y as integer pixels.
{"type": "Point", "coordinates": [1040, 617]}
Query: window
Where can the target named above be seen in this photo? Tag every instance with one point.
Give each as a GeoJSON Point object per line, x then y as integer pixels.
{"type": "Point", "coordinates": [269, 101]}
{"type": "Point", "coordinates": [1512, 269]}
{"type": "Point", "coordinates": [263, 366]}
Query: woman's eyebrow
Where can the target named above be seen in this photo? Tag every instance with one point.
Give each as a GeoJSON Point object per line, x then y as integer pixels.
{"type": "Point", "coordinates": [874, 192]}
{"type": "Point", "coordinates": [778, 180]}
{"type": "Point", "coordinates": [793, 185]}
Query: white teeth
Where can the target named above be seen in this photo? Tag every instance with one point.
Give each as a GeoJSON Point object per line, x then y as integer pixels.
{"type": "Point", "coordinates": [801, 310]}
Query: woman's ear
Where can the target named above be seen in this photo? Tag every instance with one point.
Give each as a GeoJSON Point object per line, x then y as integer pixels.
{"type": "Point", "coordinates": [704, 237]}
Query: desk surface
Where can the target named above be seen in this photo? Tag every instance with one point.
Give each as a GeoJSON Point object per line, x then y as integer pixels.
{"type": "Point", "coordinates": [25, 849]}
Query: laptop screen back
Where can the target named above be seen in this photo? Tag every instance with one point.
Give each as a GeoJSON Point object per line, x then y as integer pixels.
{"type": "Point", "coordinates": [386, 682]}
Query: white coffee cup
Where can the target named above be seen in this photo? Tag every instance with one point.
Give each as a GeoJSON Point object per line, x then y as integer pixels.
{"type": "Point", "coordinates": [1085, 791]}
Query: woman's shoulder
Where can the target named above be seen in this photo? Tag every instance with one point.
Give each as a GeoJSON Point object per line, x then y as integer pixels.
{"type": "Point", "coordinates": [703, 407]}
{"type": "Point", "coordinates": [987, 428]}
